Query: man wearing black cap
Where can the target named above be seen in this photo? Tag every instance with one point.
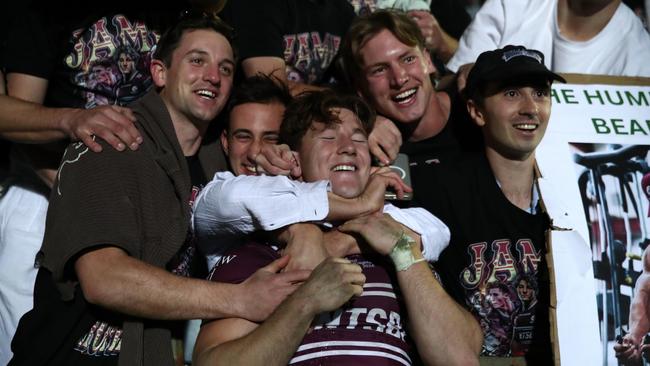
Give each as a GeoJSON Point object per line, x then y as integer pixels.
{"type": "Point", "coordinates": [490, 203]}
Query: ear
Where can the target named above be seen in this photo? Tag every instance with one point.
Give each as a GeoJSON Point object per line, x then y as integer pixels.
{"type": "Point", "coordinates": [158, 73]}
{"type": "Point", "coordinates": [224, 141]}
{"type": "Point", "coordinates": [476, 113]}
{"type": "Point", "coordinates": [428, 64]}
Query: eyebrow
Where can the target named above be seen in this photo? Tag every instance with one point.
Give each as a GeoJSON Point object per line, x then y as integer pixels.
{"type": "Point", "coordinates": [205, 53]}
{"type": "Point", "coordinates": [400, 56]}
{"type": "Point", "coordinates": [361, 131]}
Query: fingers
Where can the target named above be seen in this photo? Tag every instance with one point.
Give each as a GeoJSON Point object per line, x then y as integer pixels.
{"type": "Point", "coordinates": [461, 75]}
{"type": "Point", "coordinates": [277, 265]}
{"type": "Point", "coordinates": [113, 124]}
{"type": "Point", "coordinates": [89, 140]}
{"type": "Point", "coordinates": [294, 276]}
{"type": "Point", "coordinates": [393, 180]}
{"type": "Point", "coordinates": [385, 140]}
{"type": "Point", "coordinates": [275, 160]}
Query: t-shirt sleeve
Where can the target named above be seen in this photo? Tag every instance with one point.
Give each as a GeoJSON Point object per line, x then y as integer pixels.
{"type": "Point", "coordinates": [259, 26]}
{"type": "Point", "coordinates": [484, 33]}
{"type": "Point", "coordinates": [93, 204]}
{"type": "Point", "coordinates": [30, 48]}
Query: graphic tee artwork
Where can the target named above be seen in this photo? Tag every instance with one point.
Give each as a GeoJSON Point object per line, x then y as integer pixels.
{"type": "Point", "coordinates": [368, 330]}
{"type": "Point", "coordinates": [305, 34]}
{"type": "Point", "coordinates": [109, 61]}
{"type": "Point", "coordinates": [495, 263]}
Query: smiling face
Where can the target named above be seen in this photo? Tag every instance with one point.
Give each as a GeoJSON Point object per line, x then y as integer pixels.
{"type": "Point", "coordinates": [197, 84]}
{"type": "Point", "coordinates": [251, 126]}
{"type": "Point", "coordinates": [338, 152]}
{"type": "Point", "coordinates": [395, 77]}
{"type": "Point", "coordinates": [513, 119]}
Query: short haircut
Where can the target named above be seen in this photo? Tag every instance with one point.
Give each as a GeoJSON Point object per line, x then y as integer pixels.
{"type": "Point", "coordinates": [191, 21]}
{"type": "Point", "coordinates": [365, 27]}
{"type": "Point", "coordinates": [316, 106]}
{"type": "Point", "coordinates": [262, 89]}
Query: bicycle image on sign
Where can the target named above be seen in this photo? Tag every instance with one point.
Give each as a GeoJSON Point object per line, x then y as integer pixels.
{"type": "Point", "coordinates": [614, 187]}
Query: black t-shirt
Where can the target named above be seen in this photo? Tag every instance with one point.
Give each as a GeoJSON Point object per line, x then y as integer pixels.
{"type": "Point", "coordinates": [90, 57]}
{"type": "Point", "coordinates": [459, 136]}
{"type": "Point", "coordinates": [306, 34]}
{"type": "Point", "coordinates": [495, 263]}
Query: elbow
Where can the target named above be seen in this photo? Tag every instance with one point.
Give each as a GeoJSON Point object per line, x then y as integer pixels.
{"type": "Point", "coordinates": [94, 271]}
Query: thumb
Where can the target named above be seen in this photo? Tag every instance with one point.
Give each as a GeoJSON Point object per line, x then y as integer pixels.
{"type": "Point", "coordinates": [277, 265]}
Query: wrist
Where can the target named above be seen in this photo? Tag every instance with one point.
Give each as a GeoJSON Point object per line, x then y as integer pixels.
{"type": "Point", "coordinates": [402, 254]}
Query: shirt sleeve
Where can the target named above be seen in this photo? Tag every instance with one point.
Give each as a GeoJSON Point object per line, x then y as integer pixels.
{"type": "Point", "coordinates": [230, 207]}
{"type": "Point", "coordinates": [484, 33]}
{"type": "Point", "coordinates": [434, 233]}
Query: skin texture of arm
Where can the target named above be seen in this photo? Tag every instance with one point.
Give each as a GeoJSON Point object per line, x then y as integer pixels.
{"type": "Point", "coordinates": [140, 289]}
{"type": "Point", "coordinates": [438, 324]}
{"type": "Point", "coordinates": [23, 118]}
{"type": "Point", "coordinates": [630, 350]}
{"type": "Point", "coordinates": [235, 341]}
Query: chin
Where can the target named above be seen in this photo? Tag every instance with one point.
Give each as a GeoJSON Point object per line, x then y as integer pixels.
{"type": "Point", "coordinates": [347, 192]}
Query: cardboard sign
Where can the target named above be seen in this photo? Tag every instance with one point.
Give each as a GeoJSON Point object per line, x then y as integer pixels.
{"type": "Point", "coordinates": [592, 161]}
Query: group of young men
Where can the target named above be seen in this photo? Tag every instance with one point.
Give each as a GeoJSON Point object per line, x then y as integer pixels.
{"type": "Point", "coordinates": [307, 263]}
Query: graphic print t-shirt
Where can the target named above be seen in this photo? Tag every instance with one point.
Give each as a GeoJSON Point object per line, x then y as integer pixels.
{"type": "Point", "coordinates": [495, 262]}
{"type": "Point", "coordinates": [88, 61]}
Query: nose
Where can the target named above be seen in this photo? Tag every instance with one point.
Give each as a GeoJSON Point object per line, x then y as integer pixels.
{"type": "Point", "coordinates": [254, 149]}
{"type": "Point", "coordinates": [529, 106]}
{"type": "Point", "coordinates": [212, 75]}
{"type": "Point", "coordinates": [346, 145]}
{"type": "Point", "coordinates": [399, 76]}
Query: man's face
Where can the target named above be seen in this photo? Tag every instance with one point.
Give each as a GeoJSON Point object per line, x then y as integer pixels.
{"type": "Point", "coordinates": [499, 300]}
{"type": "Point", "coordinates": [125, 63]}
{"type": "Point", "coordinates": [251, 126]}
{"type": "Point", "coordinates": [514, 119]}
{"type": "Point", "coordinates": [199, 80]}
{"type": "Point", "coordinates": [395, 78]}
{"type": "Point", "coordinates": [525, 291]}
{"type": "Point", "coordinates": [338, 152]}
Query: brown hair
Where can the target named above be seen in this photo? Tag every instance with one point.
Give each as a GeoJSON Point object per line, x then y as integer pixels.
{"type": "Point", "coordinates": [317, 106]}
{"type": "Point", "coordinates": [365, 27]}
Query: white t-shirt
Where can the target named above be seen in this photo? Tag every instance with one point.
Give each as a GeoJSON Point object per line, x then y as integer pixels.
{"type": "Point", "coordinates": [622, 48]}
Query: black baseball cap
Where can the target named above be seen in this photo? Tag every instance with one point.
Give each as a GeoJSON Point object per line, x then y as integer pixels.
{"type": "Point", "coordinates": [507, 63]}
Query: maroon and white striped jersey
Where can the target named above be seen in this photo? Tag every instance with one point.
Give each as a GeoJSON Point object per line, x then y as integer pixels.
{"type": "Point", "coordinates": [368, 330]}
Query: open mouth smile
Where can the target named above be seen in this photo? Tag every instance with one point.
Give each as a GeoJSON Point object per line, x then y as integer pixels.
{"type": "Point", "coordinates": [405, 97]}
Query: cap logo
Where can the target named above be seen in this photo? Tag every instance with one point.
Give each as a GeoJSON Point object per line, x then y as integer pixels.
{"type": "Point", "coordinates": [516, 53]}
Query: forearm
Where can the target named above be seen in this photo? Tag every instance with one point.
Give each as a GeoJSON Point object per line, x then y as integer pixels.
{"type": "Point", "coordinates": [639, 322]}
{"type": "Point", "coordinates": [240, 205]}
{"type": "Point", "coordinates": [132, 287]}
{"type": "Point", "coordinates": [272, 343]}
{"type": "Point", "coordinates": [24, 121]}
{"type": "Point", "coordinates": [448, 47]}
{"type": "Point", "coordinates": [437, 323]}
